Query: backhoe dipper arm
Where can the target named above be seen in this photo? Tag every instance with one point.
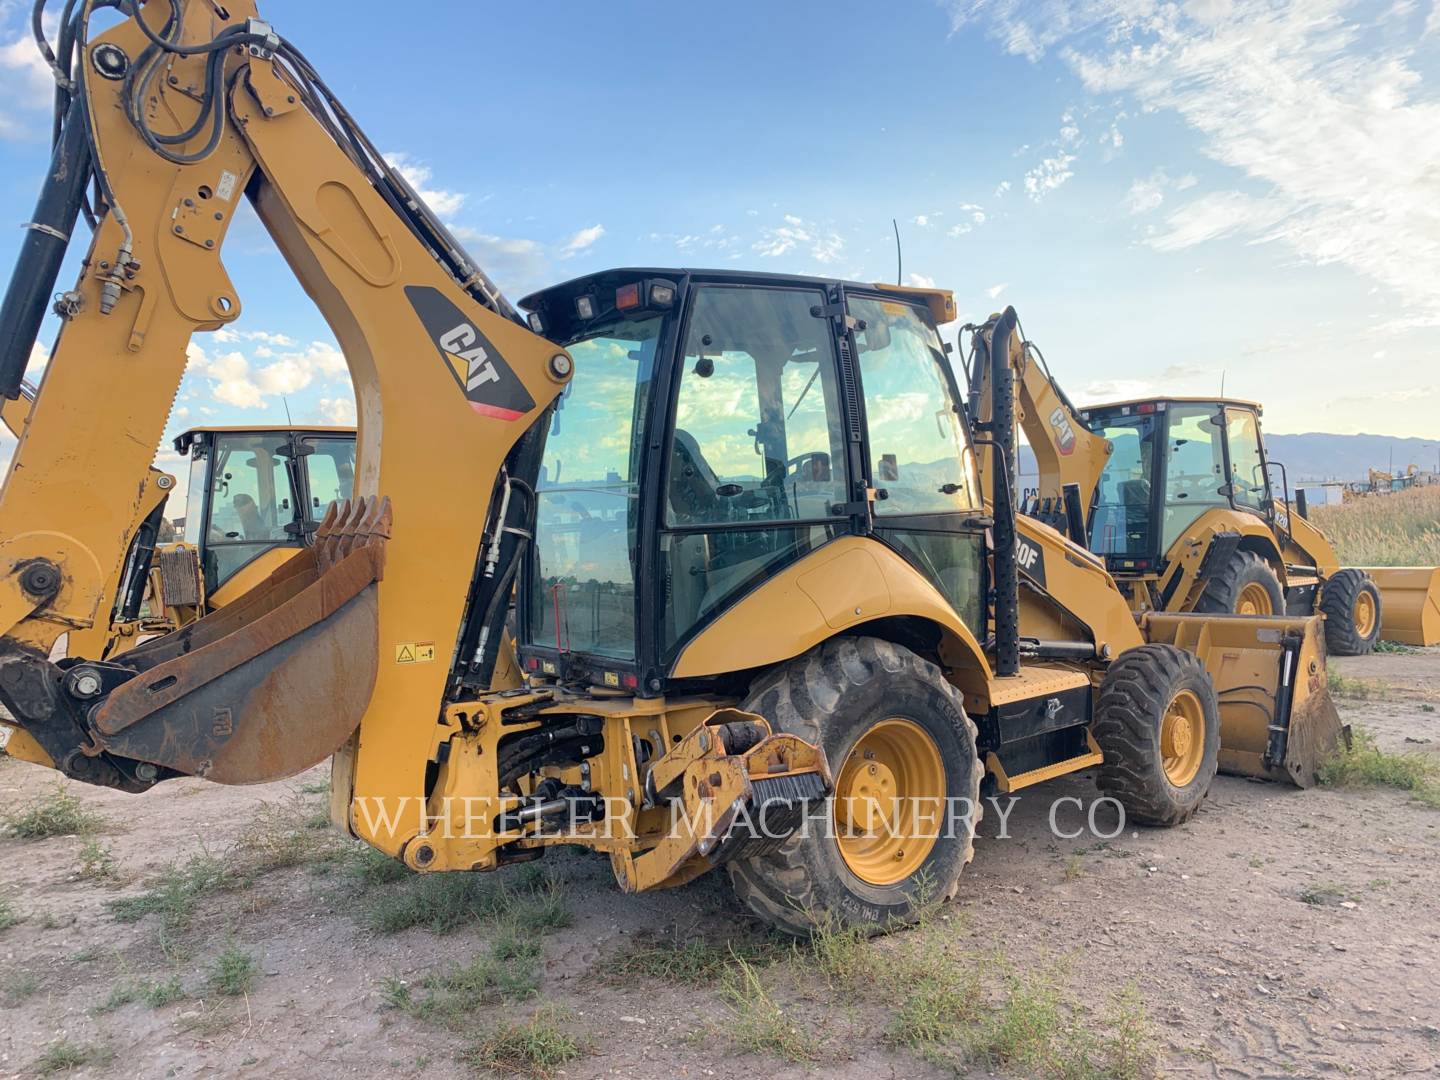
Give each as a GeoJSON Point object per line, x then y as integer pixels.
{"type": "Point", "coordinates": [185, 113]}
{"type": "Point", "coordinates": [1066, 452]}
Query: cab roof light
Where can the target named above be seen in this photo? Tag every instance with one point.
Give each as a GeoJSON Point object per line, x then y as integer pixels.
{"type": "Point", "coordinates": [537, 324]}
{"type": "Point", "coordinates": [585, 307]}
{"type": "Point", "coordinates": [627, 297]}
{"type": "Point", "coordinates": [1147, 407]}
{"type": "Point", "coordinates": [662, 294]}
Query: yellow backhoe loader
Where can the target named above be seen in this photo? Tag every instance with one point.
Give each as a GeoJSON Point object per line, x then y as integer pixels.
{"type": "Point", "coordinates": [1180, 498]}
{"type": "Point", "coordinates": [765, 619]}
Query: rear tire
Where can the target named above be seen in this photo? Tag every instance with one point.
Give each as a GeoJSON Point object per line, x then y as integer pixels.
{"type": "Point", "coordinates": [1157, 764]}
{"type": "Point", "coordinates": [1351, 605]}
{"type": "Point", "coordinates": [838, 694]}
{"type": "Point", "coordinates": [1245, 585]}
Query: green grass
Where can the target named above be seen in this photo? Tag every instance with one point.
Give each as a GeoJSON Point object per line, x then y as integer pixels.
{"type": "Point", "coordinates": [507, 971]}
{"type": "Point", "coordinates": [370, 867]}
{"type": "Point", "coordinates": [1384, 646]}
{"type": "Point", "coordinates": [176, 892]}
{"type": "Point", "coordinates": [64, 1055]}
{"type": "Point", "coordinates": [443, 903]}
{"type": "Point", "coordinates": [8, 915]}
{"type": "Point", "coordinates": [1360, 689]}
{"type": "Point", "coordinates": [56, 813]}
{"type": "Point", "coordinates": [16, 986]}
{"type": "Point", "coordinates": [233, 972]}
{"type": "Point", "coordinates": [843, 955]}
{"type": "Point", "coordinates": [536, 1047]}
{"type": "Point", "coordinates": [758, 1023]}
{"type": "Point", "coordinates": [1363, 764]}
{"type": "Point", "coordinates": [1322, 894]}
{"type": "Point", "coordinates": [289, 833]}
{"type": "Point", "coordinates": [97, 862]}
{"type": "Point", "coordinates": [696, 962]}
{"type": "Point", "coordinates": [937, 998]}
{"type": "Point", "coordinates": [154, 993]}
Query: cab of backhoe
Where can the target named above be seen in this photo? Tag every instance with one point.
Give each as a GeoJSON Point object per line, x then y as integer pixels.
{"type": "Point", "coordinates": [719, 428]}
{"type": "Point", "coordinates": [259, 490]}
{"type": "Point", "coordinates": [1174, 459]}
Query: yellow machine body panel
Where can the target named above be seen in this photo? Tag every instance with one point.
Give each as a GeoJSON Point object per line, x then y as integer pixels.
{"type": "Point", "coordinates": [847, 583]}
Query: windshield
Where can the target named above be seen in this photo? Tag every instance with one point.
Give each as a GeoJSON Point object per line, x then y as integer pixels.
{"type": "Point", "coordinates": [1123, 524]}
{"type": "Point", "coordinates": [583, 595]}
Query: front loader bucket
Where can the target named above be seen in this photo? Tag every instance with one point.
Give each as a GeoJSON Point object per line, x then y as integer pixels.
{"type": "Point", "coordinates": [1409, 603]}
{"type": "Point", "coordinates": [1277, 719]}
{"type": "Point", "coordinates": [273, 683]}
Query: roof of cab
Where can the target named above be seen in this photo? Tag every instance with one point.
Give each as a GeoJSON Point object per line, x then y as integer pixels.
{"type": "Point", "coordinates": [941, 302]}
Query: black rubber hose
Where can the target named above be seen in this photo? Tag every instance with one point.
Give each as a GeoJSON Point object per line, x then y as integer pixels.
{"type": "Point", "coordinates": [1007, 571]}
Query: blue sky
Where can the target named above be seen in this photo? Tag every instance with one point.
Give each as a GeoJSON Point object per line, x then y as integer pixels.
{"type": "Point", "coordinates": [1166, 192]}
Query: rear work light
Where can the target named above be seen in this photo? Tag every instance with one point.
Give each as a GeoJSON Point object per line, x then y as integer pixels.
{"type": "Point", "coordinates": [585, 307]}
{"type": "Point", "coordinates": [662, 295]}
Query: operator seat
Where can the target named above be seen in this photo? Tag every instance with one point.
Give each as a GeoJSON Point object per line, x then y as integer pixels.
{"type": "Point", "coordinates": [693, 484]}
{"type": "Point", "coordinates": [251, 524]}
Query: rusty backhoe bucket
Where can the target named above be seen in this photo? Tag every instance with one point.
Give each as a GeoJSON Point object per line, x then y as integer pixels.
{"type": "Point", "coordinates": [1409, 603]}
{"type": "Point", "coordinates": [1277, 720]}
{"type": "Point", "coordinates": [274, 682]}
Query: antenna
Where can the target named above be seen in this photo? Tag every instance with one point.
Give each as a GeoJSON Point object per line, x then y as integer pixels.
{"type": "Point", "coordinates": [288, 421]}
{"type": "Point", "coordinates": [899, 266]}
{"type": "Point", "coordinates": [1222, 382]}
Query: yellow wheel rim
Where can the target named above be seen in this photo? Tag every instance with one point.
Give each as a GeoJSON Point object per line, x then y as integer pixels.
{"type": "Point", "coordinates": [1182, 738]}
{"type": "Point", "coordinates": [1254, 599]}
{"type": "Point", "coordinates": [1364, 613]}
{"type": "Point", "coordinates": [889, 802]}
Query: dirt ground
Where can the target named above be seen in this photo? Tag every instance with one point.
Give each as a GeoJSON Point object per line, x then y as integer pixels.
{"type": "Point", "coordinates": [1280, 933]}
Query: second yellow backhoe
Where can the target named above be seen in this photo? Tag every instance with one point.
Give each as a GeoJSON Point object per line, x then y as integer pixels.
{"type": "Point", "coordinates": [766, 620]}
{"type": "Point", "coordinates": [1181, 500]}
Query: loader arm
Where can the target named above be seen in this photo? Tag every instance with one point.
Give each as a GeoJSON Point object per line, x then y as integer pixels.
{"type": "Point", "coordinates": [178, 119]}
{"type": "Point", "coordinates": [1068, 455]}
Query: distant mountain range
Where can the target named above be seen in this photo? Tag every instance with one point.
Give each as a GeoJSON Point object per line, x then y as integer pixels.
{"type": "Point", "coordinates": [1317, 456]}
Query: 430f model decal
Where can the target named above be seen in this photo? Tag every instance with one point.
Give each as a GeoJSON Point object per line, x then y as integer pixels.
{"type": "Point", "coordinates": [482, 374]}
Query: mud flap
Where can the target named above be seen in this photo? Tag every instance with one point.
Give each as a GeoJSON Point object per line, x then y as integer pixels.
{"type": "Point", "coordinates": [1277, 719]}
{"type": "Point", "coordinates": [271, 684]}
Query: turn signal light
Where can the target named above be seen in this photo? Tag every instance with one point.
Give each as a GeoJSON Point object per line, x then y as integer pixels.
{"type": "Point", "coordinates": [627, 297]}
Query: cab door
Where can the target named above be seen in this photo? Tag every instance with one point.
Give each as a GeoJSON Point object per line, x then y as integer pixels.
{"type": "Point", "coordinates": [917, 456]}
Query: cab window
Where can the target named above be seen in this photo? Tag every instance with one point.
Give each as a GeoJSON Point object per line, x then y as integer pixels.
{"type": "Point", "coordinates": [918, 455]}
{"type": "Point", "coordinates": [583, 596]}
{"type": "Point", "coordinates": [330, 469]}
{"type": "Point", "coordinates": [757, 421]}
{"type": "Point", "coordinates": [756, 462]}
{"type": "Point", "coordinates": [1121, 524]}
{"type": "Point", "coordinates": [250, 502]}
{"type": "Point", "coordinates": [1247, 467]}
{"type": "Point", "coordinates": [1194, 469]}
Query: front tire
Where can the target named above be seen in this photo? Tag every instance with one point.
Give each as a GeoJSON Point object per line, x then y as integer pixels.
{"type": "Point", "coordinates": [892, 728]}
{"type": "Point", "coordinates": [1158, 725]}
{"type": "Point", "coordinates": [1351, 604]}
{"type": "Point", "coordinates": [1245, 585]}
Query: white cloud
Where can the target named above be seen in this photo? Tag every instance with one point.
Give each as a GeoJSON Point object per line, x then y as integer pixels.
{"type": "Point", "coordinates": [234, 380]}
{"type": "Point", "coordinates": [1049, 175]}
{"type": "Point", "coordinates": [920, 281]}
{"type": "Point", "coordinates": [823, 244]}
{"type": "Point", "coordinates": [417, 175]}
{"type": "Point", "coordinates": [1147, 193]}
{"type": "Point", "coordinates": [339, 411]}
{"type": "Point", "coordinates": [1319, 104]}
{"type": "Point", "coordinates": [1219, 214]}
{"type": "Point", "coordinates": [29, 89]}
{"type": "Point", "coordinates": [995, 290]}
{"type": "Point", "coordinates": [581, 242]}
